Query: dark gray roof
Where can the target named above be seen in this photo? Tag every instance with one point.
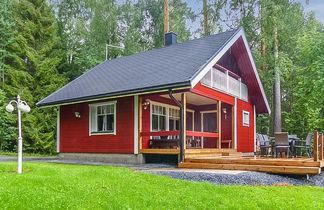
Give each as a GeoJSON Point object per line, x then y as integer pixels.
{"type": "Point", "coordinates": [167, 67]}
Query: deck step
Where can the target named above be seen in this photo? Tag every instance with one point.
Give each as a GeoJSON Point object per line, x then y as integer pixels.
{"type": "Point", "coordinates": [219, 154]}
{"type": "Point", "coordinates": [260, 168]}
{"type": "Point", "coordinates": [271, 162]}
{"type": "Point", "coordinates": [208, 150]}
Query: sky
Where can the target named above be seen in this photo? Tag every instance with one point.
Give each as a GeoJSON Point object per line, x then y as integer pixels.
{"type": "Point", "coordinates": [317, 6]}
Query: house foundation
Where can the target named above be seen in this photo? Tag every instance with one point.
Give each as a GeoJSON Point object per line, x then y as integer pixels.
{"type": "Point", "coordinates": [104, 157]}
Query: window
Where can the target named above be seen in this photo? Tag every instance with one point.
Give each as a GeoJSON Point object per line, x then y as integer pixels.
{"type": "Point", "coordinates": [159, 117]}
{"type": "Point", "coordinates": [166, 117]}
{"type": "Point", "coordinates": [174, 119]}
{"type": "Point", "coordinates": [103, 118]}
{"type": "Point", "coordinates": [246, 118]}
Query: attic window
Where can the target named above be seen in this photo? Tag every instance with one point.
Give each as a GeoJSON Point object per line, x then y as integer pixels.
{"type": "Point", "coordinates": [246, 118]}
{"type": "Point", "coordinates": [102, 118]}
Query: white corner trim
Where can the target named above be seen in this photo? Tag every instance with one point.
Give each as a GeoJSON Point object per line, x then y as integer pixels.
{"type": "Point", "coordinates": [58, 130]}
{"type": "Point", "coordinates": [136, 124]}
{"type": "Point", "coordinates": [254, 133]}
{"type": "Point", "coordinates": [201, 73]}
{"type": "Point", "coordinates": [235, 122]}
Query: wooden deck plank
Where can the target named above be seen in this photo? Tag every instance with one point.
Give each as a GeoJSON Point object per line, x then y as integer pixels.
{"type": "Point", "coordinates": [209, 150]}
{"type": "Point", "coordinates": [260, 168]}
{"type": "Point", "coordinates": [159, 151]}
{"type": "Point", "coordinates": [273, 162]}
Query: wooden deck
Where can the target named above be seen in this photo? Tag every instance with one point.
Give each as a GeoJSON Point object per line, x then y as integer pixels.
{"type": "Point", "coordinates": [261, 164]}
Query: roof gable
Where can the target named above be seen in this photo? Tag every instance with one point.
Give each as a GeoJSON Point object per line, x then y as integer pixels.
{"type": "Point", "coordinates": [238, 43]}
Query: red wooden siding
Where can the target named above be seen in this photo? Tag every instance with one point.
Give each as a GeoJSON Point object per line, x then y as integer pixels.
{"type": "Point", "coordinates": [146, 127]}
{"type": "Point", "coordinates": [74, 135]}
{"type": "Point", "coordinates": [226, 124]}
{"type": "Point", "coordinates": [213, 94]}
{"type": "Point", "coordinates": [245, 134]}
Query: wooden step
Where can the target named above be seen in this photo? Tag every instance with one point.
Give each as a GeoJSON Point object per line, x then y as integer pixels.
{"type": "Point", "coordinates": [237, 154]}
{"type": "Point", "coordinates": [206, 154]}
{"type": "Point", "coordinates": [260, 168]}
{"type": "Point", "coordinates": [272, 162]}
{"type": "Point", "coordinates": [213, 154]}
{"type": "Point", "coordinates": [208, 150]}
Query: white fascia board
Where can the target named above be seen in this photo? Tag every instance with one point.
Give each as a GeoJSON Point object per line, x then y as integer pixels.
{"type": "Point", "coordinates": [202, 72]}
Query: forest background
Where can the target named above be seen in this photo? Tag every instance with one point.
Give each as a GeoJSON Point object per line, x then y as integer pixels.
{"type": "Point", "coordinates": [45, 44]}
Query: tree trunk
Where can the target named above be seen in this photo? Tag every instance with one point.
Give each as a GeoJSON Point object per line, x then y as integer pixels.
{"type": "Point", "coordinates": [205, 11]}
{"type": "Point", "coordinates": [262, 44]}
{"type": "Point", "coordinates": [277, 94]}
{"type": "Point", "coordinates": [166, 16]}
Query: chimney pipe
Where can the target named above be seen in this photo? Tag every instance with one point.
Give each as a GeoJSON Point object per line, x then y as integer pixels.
{"type": "Point", "coordinates": [170, 38]}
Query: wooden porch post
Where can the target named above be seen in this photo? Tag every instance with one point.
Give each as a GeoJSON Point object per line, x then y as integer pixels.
{"type": "Point", "coordinates": [219, 124]}
{"type": "Point", "coordinates": [139, 123]}
{"type": "Point", "coordinates": [184, 105]}
{"type": "Point", "coordinates": [316, 146]}
{"type": "Point", "coordinates": [233, 128]}
{"type": "Point", "coordinates": [321, 141]}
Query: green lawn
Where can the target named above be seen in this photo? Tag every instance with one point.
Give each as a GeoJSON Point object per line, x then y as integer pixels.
{"type": "Point", "coordinates": [56, 186]}
{"type": "Point", "coordinates": [27, 154]}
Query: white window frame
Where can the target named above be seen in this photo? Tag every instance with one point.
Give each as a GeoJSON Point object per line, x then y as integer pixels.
{"type": "Point", "coordinates": [246, 124]}
{"type": "Point", "coordinates": [167, 106]}
{"type": "Point", "coordinates": [91, 133]}
{"type": "Point", "coordinates": [166, 115]}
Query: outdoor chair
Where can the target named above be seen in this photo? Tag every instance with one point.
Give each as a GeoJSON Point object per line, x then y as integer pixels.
{"type": "Point", "coordinates": [264, 144]}
{"type": "Point", "coordinates": [307, 145]}
{"type": "Point", "coordinates": [281, 142]}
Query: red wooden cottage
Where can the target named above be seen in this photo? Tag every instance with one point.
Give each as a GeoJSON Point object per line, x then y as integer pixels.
{"type": "Point", "coordinates": [200, 96]}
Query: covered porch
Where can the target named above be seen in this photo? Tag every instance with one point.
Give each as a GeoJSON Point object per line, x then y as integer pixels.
{"type": "Point", "coordinates": [206, 127]}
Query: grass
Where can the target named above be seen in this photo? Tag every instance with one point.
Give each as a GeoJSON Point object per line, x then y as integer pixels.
{"type": "Point", "coordinates": [27, 154]}
{"type": "Point", "coordinates": [58, 186]}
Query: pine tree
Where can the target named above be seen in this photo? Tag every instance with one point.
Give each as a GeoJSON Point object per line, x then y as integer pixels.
{"type": "Point", "coordinates": [7, 35]}
{"type": "Point", "coordinates": [33, 75]}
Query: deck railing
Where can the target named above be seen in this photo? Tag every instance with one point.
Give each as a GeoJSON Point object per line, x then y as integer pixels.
{"type": "Point", "coordinates": [171, 138]}
{"type": "Point", "coordinates": [318, 146]}
{"type": "Point", "coordinates": [225, 81]}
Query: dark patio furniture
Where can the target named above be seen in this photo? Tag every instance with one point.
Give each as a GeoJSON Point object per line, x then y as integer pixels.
{"type": "Point", "coordinates": [163, 143]}
{"type": "Point", "coordinates": [281, 143]}
{"type": "Point", "coordinates": [293, 140]}
{"type": "Point", "coordinates": [307, 145]}
{"type": "Point", "coordinates": [264, 144]}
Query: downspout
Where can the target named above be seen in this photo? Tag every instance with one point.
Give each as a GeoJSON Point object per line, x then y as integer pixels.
{"type": "Point", "coordinates": [181, 125]}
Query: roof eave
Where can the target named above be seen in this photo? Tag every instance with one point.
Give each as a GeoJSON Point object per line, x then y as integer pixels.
{"type": "Point", "coordinates": [139, 91]}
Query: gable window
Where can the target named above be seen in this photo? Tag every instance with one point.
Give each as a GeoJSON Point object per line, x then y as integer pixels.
{"type": "Point", "coordinates": [103, 118]}
{"type": "Point", "coordinates": [246, 118]}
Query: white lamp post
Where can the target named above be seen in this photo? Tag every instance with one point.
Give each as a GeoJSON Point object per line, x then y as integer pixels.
{"type": "Point", "coordinates": [22, 106]}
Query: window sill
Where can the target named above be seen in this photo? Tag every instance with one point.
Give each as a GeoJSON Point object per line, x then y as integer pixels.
{"type": "Point", "coordinates": [102, 133]}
